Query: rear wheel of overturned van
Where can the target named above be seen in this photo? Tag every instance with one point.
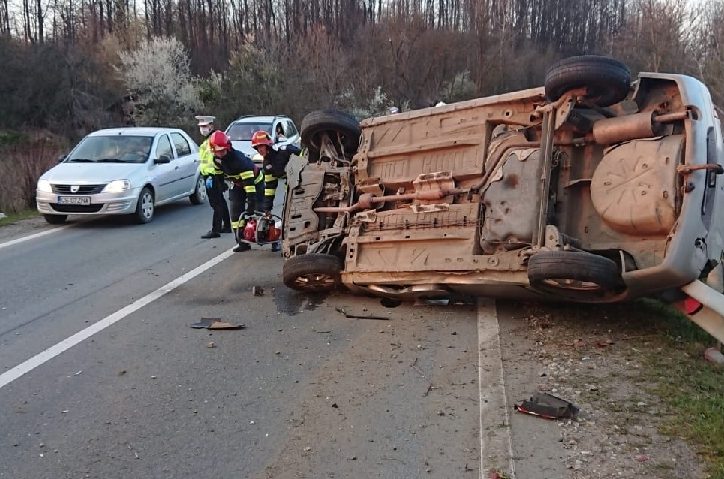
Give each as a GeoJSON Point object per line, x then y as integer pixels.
{"type": "Point", "coordinates": [607, 81]}
{"type": "Point", "coordinates": [576, 276]}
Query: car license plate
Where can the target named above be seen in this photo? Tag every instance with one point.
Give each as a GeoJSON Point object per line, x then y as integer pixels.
{"type": "Point", "coordinates": [74, 200]}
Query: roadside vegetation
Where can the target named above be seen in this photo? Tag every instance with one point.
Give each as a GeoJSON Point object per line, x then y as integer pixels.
{"type": "Point", "coordinates": [19, 216]}
{"type": "Point", "coordinates": [692, 388]}
{"type": "Point", "coordinates": [73, 67]}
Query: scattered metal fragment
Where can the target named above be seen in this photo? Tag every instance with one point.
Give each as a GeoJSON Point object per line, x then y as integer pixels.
{"type": "Point", "coordinates": [360, 316]}
{"type": "Point", "coordinates": [547, 406]}
{"type": "Point", "coordinates": [713, 355]}
{"type": "Point", "coordinates": [216, 323]}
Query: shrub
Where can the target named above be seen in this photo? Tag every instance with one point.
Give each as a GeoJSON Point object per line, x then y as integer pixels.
{"type": "Point", "coordinates": [20, 169]}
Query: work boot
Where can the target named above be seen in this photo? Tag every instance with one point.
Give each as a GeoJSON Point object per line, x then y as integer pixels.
{"type": "Point", "coordinates": [241, 247]}
{"type": "Point", "coordinates": [276, 247]}
{"type": "Point", "coordinates": [211, 234]}
{"type": "Point", "coordinates": [226, 229]}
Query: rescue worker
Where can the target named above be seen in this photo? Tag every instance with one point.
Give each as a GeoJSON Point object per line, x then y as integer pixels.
{"type": "Point", "coordinates": [274, 164]}
{"type": "Point", "coordinates": [214, 180]}
{"type": "Point", "coordinates": [248, 179]}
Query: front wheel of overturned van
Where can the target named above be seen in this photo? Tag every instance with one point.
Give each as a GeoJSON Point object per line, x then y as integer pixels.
{"type": "Point", "coordinates": [312, 273]}
{"type": "Point", "coordinates": [341, 128]}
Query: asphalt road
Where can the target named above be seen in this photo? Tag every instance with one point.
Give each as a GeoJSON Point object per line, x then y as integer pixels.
{"type": "Point", "coordinates": [302, 391]}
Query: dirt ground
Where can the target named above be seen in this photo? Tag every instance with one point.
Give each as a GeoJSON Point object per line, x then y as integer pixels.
{"type": "Point", "coordinates": [611, 362]}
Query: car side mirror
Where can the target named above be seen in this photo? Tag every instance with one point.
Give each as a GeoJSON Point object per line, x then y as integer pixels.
{"type": "Point", "coordinates": [61, 158]}
{"type": "Point", "coordinates": [162, 159]}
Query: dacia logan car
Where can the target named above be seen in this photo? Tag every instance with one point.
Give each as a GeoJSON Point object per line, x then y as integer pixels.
{"type": "Point", "coordinates": [122, 171]}
{"type": "Point", "coordinates": [596, 187]}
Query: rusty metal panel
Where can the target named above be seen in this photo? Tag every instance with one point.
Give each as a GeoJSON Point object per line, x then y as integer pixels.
{"type": "Point", "coordinates": [510, 216]}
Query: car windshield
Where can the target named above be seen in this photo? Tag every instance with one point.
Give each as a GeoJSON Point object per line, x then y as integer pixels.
{"type": "Point", "coordinates": [242, 131]}
{"type": "Point", "coordinates": [112, 149]}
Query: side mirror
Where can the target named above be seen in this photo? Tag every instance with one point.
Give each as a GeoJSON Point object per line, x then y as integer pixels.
{"type": "Point", "coordinates": [61, 158]}
{"type": "Point", "coordinates": [162, 159]}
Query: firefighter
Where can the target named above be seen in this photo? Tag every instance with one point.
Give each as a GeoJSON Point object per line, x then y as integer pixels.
{"type": "Point", "coordinates": [214, 180]}
{"type": "Point", "coordinates": [248, 183]}
{"type": "Point", "coordinates": [274, 165]}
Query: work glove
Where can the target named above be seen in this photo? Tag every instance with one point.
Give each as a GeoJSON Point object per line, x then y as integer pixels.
{"type": "Point", "coordinates": [209, 182]}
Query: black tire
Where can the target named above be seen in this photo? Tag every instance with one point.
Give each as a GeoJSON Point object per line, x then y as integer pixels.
{"type": "Point", "coordinates": [607, 80]}
{"type": "Point", "coordinates": [145, 207]}
{"type": "Point", "coordinates": [55, 219]}
{"type": "Point", "coordinates": [335, 121]}
{"type": "Point", "coordinates": [575, 276]}
{"type": "Point", "coordinates": [312, 273]}
{"type": "Point", "coordinates": [199, 194]}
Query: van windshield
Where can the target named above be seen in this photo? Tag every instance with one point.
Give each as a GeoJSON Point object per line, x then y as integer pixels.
{"type": "Point", "coordinates": [244, 131]}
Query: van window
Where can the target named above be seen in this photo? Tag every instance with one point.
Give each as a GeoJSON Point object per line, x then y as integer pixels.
{"type": "Point", "coordinates": [291, 130]}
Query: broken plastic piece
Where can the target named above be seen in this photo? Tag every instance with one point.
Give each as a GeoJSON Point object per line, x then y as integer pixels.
{"type": "Point", "coordinates": [216, 323]}
{"type": "Point", "coordinates": [547, 406]}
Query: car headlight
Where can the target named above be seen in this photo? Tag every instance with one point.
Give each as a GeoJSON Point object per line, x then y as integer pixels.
{"type": "Point", "coordinates": [44, 186]}
{"type": "Point", "coordinates": [117, 186]}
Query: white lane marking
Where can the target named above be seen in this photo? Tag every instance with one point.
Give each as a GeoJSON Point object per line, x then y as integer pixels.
{"type": "Point", "coordinates": [496, 442]}
{"type": "Point", "coordinates": [29, 237]}
{"type": "Point", "coordinates": [25, 367]}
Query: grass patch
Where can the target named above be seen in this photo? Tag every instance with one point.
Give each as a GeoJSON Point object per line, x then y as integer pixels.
{"type": "Point", "coordinates": [15, 217]}
{"type": "Point", "coordinates": [690, 387]}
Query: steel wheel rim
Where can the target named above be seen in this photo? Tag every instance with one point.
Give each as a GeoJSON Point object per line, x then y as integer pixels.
{"type": "Point", "coordinates": [315, 281]}
{"type": "Point", "coordinates": [574, 285]}
{"type": "Point", "coordinates": [147, 206]}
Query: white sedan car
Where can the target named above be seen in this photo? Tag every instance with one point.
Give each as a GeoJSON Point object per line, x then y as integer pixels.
{"type": "Point", "coordinates": [122, 171]}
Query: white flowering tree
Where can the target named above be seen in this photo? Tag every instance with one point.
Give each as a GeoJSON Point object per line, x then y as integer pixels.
{"type": "Point", "coordinates": [158, 76]}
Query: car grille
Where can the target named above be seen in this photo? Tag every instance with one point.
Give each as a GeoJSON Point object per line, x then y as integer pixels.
{"type": "Point", "coordinates": [76, 208]}
{"type": "Point", "coordinates": [82, 189]}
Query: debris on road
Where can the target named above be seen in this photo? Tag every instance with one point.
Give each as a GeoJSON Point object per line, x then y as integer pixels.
{"type": "Point", "coordinates": [547, 406]}
{"type": "Point", "coordinates": [216, 323]}
{"type": "Point", "coordinates": [211, 344]}
{"type": "Point", "coordinates": [258, 291]}
{"type": "Point", "coordinates": [359, 316]}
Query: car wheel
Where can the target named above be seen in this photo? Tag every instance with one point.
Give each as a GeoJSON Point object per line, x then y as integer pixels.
{"type": "Point", "coordinates": [607, 80]}
{"type": "Point", "coordinates": [575, 276]}
{"type": "Point", "coordinates": [199, 194]}
{"type": "Point", "coordinates": [55, 219]}
{"type": "Point", "coordinates": [312, 273]}
{"type": "Point", "coordinates": [144, 207]}
{"type": "Point", "coordinates": [343, 129]}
